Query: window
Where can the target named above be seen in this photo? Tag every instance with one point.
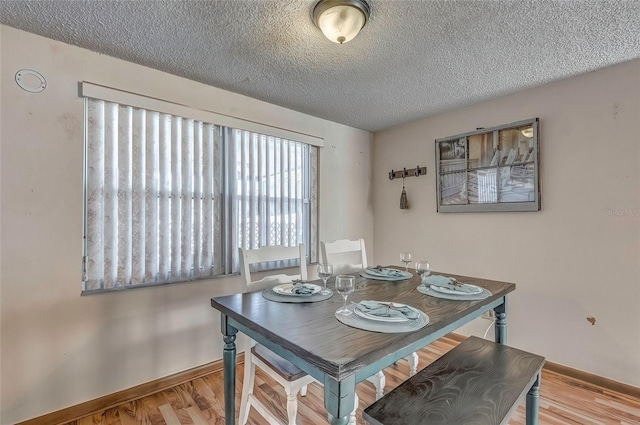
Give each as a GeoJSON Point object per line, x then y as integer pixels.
{"type": "Point", "coordinates": [170, 198]}
{"type": "Point", "coordinates": [268, 183]}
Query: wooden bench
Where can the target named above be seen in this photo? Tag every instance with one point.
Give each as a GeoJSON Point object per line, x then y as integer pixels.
{"type": "Point", "coordinates": [478, 382]}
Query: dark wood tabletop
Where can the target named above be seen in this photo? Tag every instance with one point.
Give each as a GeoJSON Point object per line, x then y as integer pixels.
{"type": "Point", "coordinates": [308, 334]}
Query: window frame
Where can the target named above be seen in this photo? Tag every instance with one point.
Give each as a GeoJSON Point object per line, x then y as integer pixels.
{"type": "Point", "coordinates": [89, 90]}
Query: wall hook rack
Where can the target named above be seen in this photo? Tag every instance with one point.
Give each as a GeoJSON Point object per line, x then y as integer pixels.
{"type": "Point", "coordinates": [413, 172]}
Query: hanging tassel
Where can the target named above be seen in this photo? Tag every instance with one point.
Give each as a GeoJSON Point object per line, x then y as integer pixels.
{"type": "Point", "coordinates": [404, 203]}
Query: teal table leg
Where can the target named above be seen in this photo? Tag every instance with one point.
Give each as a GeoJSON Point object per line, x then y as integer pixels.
{"type": "Point", "coordinates": [339, 399]}
{"type": "Point", "coordinates": [501, 323]}
{"type": "Point", "coordinates": [338, 421]}
{"type": "Point", "coordinates": [533, 401]}
{"type": "Point", "coordinates": [229, 360]}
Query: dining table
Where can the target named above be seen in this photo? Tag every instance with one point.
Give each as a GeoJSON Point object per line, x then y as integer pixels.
{"type": "Point", "coordinates": [309, 335]}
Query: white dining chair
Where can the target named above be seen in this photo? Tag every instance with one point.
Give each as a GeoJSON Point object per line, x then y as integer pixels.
{"type": "Point", "coordinates": [346, 256]}
{"type": "Point", "coordinates": [350, 256]}
{"type": "Point", "coordinates": [292, 378]}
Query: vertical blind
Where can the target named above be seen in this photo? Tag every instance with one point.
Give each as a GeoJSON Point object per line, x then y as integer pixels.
{"type": "Point", "coordinates": [269, 185]}
{"type": "Point", "coordinates": [154, 189]}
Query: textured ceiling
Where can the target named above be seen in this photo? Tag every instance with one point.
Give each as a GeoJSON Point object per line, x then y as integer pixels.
{"type": "Point", "coordinates": [413, 58]}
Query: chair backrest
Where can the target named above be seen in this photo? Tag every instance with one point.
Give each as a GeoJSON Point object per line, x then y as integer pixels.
{"type": "Point", "coordinates": [266, 254]}
{"type": "Point", "coordinates": [347, 256]}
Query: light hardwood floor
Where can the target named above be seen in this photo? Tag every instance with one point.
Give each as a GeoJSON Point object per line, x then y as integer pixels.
{"type": "Point", "coordinates": [563, 400]}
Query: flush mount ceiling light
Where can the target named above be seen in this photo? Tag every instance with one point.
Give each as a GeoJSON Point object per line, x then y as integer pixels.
{"type": "Point", "coordinates": [341, 20]}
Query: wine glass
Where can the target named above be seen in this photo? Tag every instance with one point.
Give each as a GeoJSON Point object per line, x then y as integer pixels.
{"type": "Point", "coordinates": [405, 257]}
{"type": "Point", "coordinates": [325, 271]}
{"type": "Point", "coordinates": [423, 268]}
{"type": "Point", "coordinates": [345, 285]}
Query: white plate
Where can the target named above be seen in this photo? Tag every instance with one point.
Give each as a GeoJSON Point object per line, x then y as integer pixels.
{"type": "Point", "coordinates": [367, 316]}
{"type": "Point", "coordinates": [477, 290]}
{"type": "Point", "coordinates": [366, 275]}
{"type": "Point", "coordinates": [399, 274]}
{"type": "Point", "coordinates": [287, 289]}
{"type": "Point", "coordinates": [386, 279]}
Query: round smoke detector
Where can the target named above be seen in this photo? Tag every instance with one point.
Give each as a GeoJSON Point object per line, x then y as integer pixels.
{"type": "Point", "coordinates": [30, 80]}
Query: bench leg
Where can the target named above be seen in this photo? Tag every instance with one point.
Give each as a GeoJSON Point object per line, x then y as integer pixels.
{"type": "Point", "coordinates": [501, 323]}
{"type": "Point", "coordinates": [533, 399]}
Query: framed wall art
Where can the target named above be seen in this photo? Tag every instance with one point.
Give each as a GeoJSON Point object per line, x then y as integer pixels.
{"type": "Point", "coordinates": [490, 169]}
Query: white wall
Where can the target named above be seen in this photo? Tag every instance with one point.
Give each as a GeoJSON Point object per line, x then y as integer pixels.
{"type": "Point", "coordinates": [566, 259]}
{"type": "Point", "coordinates": [57, 348]}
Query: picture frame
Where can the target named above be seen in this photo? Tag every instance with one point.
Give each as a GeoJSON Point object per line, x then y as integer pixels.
{"type": "Point", "coordinates": [489, 169]}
